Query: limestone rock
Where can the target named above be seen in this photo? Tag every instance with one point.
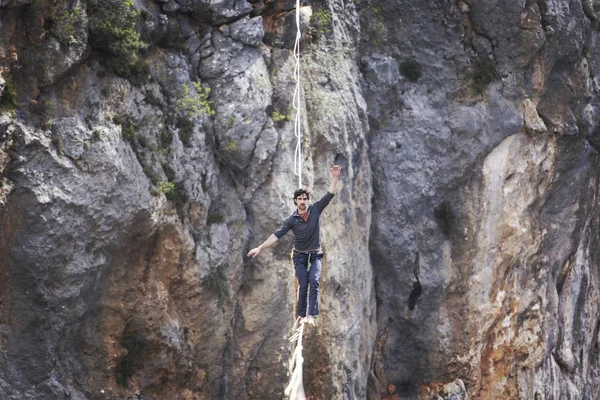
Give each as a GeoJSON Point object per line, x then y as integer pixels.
{"type": "Point", "coordinates": [64, 48]}
{"type": "Point", "coordinates": [455, 391]}
{"type": "Point", "coordinates": [221, 11]}
{"type": "Point", "coordinates": [14, 3]}
{"type": "Point", "coordinates": [533, 122]}
{"type": "Point", "coordinates": [460, 258]}
{"type": "Point", "coordinates": [248, 31]}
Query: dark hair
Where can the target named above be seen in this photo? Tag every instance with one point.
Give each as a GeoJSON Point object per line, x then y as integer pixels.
{"type": "Point", "coordinates": [300, 192]}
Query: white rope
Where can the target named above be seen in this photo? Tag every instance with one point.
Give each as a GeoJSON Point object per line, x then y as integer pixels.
{"type": "Point", "coordinates": [295, 389]}
{"type": "Point", "coordinates": [296, 101]}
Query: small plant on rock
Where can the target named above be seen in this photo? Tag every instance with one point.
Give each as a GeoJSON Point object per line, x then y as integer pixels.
{"type": "Point", "coordinates": [484, 72]}
{"type": "Point", "coordinates": [115, 29]}
{"type": "Point", "coordinates": [66, 22]}
{"type": "Point", "coordinates": [8, 99]}
{"type": "Point", "coordinates": [373, 28]}
{"type": "Point", "coordinates": [178, 195]}
{"type": "Point", "coordinates": [323, 20]}
{"type": "Point", "coordinates": [128, 131]}
{"type": "Point", "coordinates": [214, 218]}
{"type": "Point", "coordinates": [411, 70]}
{"type": "Point", "coordinates": [197, 103]}
{"type": "Point", "coordinates": [56, 141]}
{"type": "Point", "coordinates": [165, 187]}
{"type": "Point", "coordinates": [277, 117]}
{"type": "Point", "coordinates": [231, 146]}
{"type": "Point", "coordinates": [225, 152]}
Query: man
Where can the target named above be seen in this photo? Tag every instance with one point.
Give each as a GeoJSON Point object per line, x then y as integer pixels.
{"type": "Point", "coordinates": [305, 222]}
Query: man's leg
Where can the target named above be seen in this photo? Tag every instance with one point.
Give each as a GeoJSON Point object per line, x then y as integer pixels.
{"type": "Point", "coordinates": [313, 278]}
{"type": "Point", "coordinates": [302, 275]}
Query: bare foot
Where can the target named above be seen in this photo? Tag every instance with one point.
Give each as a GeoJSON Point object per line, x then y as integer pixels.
{"type": "Point", "coordinates": [303, 320]}
{"type": "Point", "coordinates": [311, 320]}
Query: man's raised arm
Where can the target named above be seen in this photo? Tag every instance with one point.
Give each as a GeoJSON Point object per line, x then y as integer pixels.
{"type": "Point", "coordinates": [335, 172]}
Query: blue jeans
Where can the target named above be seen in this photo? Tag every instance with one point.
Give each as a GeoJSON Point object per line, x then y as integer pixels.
{"type": "Point", "coordinates": [308, 277]}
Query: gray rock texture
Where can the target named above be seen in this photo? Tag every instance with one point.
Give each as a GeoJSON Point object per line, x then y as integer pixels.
{"type": "Point", "coordinates": [142, 157]}
{"type": "Point", "coordinates": [478, 265]}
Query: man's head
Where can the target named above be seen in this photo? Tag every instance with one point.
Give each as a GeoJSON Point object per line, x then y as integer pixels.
{"type": "Point", "coordinates": [301, 198]}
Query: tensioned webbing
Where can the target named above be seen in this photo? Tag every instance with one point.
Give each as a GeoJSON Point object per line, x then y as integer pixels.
{"type": "Point", "coordinates": [295, 389]}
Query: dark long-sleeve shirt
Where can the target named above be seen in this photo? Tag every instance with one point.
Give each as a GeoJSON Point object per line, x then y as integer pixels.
{"type": "Point", "coordinates": [307, 235]}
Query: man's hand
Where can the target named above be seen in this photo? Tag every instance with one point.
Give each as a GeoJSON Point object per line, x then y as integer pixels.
{"type": "Point", "coordinates": [336, 170]}
{"type": "Point", "coordinates": [268, 243]}
{"type": "Point", "coordinates": [254, 252]}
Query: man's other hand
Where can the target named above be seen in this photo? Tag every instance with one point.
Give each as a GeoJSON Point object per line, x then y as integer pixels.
{"type": "Point", "coordinates": [254, 252]}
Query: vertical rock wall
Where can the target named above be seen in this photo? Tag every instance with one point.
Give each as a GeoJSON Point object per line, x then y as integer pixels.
{"type": "Point", "coordinates": [143, 151]}
{"type": "Point", "coordinates": [484, 215]}
{"type": "Point", "coordinates": [133, 187]}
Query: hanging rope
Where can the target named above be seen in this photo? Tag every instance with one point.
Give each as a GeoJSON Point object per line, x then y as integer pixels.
{"type": "Point", "coordinates": [295, 389]}
{"type": "Point", "coordinates": [296, 101]}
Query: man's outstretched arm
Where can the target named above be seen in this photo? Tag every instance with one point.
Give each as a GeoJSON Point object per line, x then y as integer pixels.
{"type": "Point", "coordinates": [268, 243]}
{"type": "Point", "coordinates": [335, 172]}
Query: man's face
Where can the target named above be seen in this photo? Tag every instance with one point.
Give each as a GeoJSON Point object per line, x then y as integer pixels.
{"type": "Point", "coordinates": [302, 202]}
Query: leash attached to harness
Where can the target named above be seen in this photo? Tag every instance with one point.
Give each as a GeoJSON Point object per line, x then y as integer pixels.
{"type": "Point", "coordinates": [309, 252]}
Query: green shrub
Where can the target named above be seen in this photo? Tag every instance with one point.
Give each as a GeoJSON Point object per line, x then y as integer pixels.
{"type": "Point", "coordinates": [114, 28]}
{"type": "Point", "coordinates": [226, 152]}
{"type": "Point", "coordinates": [322, 20]}
{"type": "Point", "coordinates": [118, 119]}
{"type": "Point", "coordinates": [372, 22]}
{"type": "Point", "coordinates": [231, 146]}
{"type": "Point", "coordinates": [197, 103]}
{"type": "Point", "coordinates": [177, 194]}
{"type": "Point", "coordinates": [8, 99]}
{"type": "Point", "coordinates": [128, 131]}
{"type": "Point", "coordinates": [590, 9]}
{"type": "Point", "coordinates": [66, 22]}
{"type": "Point", "coordinates": [165, 187]}
{"type": "Point", "coordinates": [484, 72]}
{"type": "Point", "coordinates": [230, 123]}
{"type": "Point", "coordinates": [277, 117]}
{"type": "Point", "coordinates": [148, 171]}
{"type": "Point", "coordinates": [166, 138]}
{"type": "Point", "coordinates": [411, 70]}
{"type": "Point", "coordinates": [47, 106]}
{"type": "Point", "coordinates": [144, 141]}
{"type": "Point", "coordinates": [56, 141]}
{"type": "Point", "coordinates": [214, 218]}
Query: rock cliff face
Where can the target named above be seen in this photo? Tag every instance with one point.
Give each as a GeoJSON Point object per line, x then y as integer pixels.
{"type": "Point", "coordinates": [146, 146]}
